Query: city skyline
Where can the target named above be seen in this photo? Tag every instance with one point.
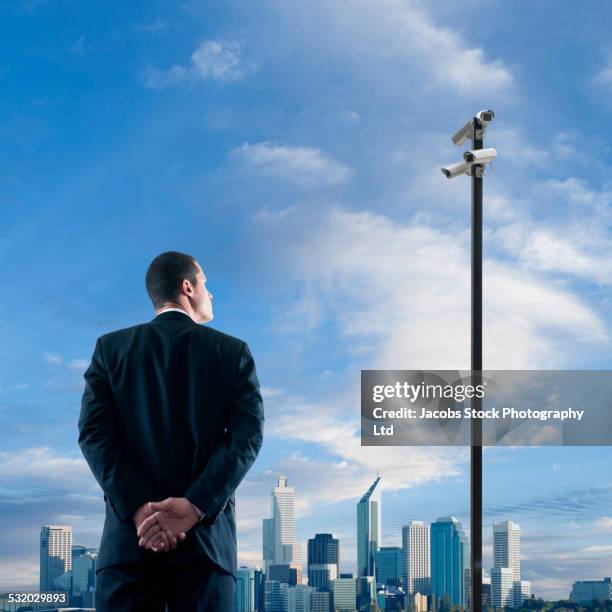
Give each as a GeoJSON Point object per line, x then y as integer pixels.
{"type": "Point", "coordinates": [61, 567]}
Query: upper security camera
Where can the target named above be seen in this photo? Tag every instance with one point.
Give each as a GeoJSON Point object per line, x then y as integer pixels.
{"type": "Point", "coordinates": [484, 117]}
{"type": "Point", "coordinates": [480, 156]}
{"type": "Point", "coordinates": [456, 169]}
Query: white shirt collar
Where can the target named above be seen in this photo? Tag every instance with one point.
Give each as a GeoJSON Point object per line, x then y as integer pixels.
{"type": "Point", "coordinates": [170, 308]}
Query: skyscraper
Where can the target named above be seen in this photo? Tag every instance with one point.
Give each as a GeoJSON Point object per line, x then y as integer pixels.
{"type": "Point", "coordinates": [323, 560]}
{"type": "Point", "coordinates": [507, 588]}
{"type": "Point", "coordinates": [299, 598]}
{"type": "Point", "coordinates": [344, 594]}
{"type": "Point", "coordinates": [84, 575]}
{"type": "Point", "coordinates": [389, 566]}
{"type": "Point", "coordinates": [449, 559]}
{"type": "Point", "coordinates": [507, 547]}
{"type": "Point", "coordinates": [278, 531]}
{"type": "Point", "coordinates": [502, 589]}
{"type": "Point", "coordinates": [276, 596]}
{"type": "Point", "coordinates": [267, 543]}
{"type": "Point", "coordinates": [283, 515]}
{"type": "Point", "coordinates": [323, 548]}
{"type": "Point", "coordinates": [55, 554]}
{"type": "Point", "coordinates": [368, 529]}
{"type": "Point", "coordinates": [245, 589]}
{"type": "Point", "coordinates": [416, 569]}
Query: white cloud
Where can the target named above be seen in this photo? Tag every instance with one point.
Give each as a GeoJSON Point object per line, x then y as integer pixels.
{"type": "Point", "coordinates": [217, 61]}
{"type": "Point", "coordinates": [598, 549]}
{"type": "Point", "coordinates": [604, 522]}
{"type": "Point", "coordinates": [582, 250]}
{"type": "Point", "coordinates": [516, 148]}
{"type": "Point", "coordinates": [162, 79]}
{"type": "Point", "coordinates": [400, 295]}
{"type": "Point", "coordinates": [212, 60]}
{"type": "Point", "coordinates": [43, 465]}
{"type": "Point", "coordinates": [20, 574]}
{"type": "Point", "coordinates": [79, 364]}
{"type": "Point", "coordinates": [393, 35]}
{"type": "Point", "coordinates": [334, 425]}
{"type": "Point", "coordinates": [53, 358]}
{"type": "Point", "coordinates": [604, 77]}
{"type": "Point", "coordinates": [302, 166]}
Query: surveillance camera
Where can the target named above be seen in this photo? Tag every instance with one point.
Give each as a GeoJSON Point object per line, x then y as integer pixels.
{"type": "Point", "coordinates": [484, 116]}
{"type": "Point", "coordinates": [455, 170]}
{"type": "Point", "coordinates": [480, 156]}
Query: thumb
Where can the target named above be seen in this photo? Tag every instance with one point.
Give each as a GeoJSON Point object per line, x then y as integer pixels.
{"type": "Point", "coordinates": [162, 505]}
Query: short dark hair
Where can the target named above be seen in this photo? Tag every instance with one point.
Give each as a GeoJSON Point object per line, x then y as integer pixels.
{"type": "Point", "coordinates": [165, 275]}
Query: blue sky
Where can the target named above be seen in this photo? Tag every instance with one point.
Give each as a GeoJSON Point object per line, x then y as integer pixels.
{"type": "Point", "coordinates": [294, 149]}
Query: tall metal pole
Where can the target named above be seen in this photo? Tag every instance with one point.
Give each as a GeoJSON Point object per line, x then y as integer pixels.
{"type": "Point", "coordinates": [476, 424]}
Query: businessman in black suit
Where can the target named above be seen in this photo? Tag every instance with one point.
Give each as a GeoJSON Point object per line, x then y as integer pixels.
{"type": "Point", "coordinates": [171, 421]}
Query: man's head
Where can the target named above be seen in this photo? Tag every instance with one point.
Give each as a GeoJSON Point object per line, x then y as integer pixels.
{"type": "Point", "coordinates": [176, 279]}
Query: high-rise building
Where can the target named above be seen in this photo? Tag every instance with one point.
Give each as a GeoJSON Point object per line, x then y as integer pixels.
{"type": "Point", "coordinates": [502, 587]}
{"type": "Point", "coordinates": [416, 569]}
{"type": "Point", "coordinates": [366, 592]}
{"type": "Point", "coordinates": [299, 598]}
{"type": "Point", "coordinates": [298, 559]}
{"type": "Point", "coordinates": [55, 554]}
{"type": "Point", "coordinates": [280, 572]}
{"type": "Point", "coordinates": [584, 591]}
{"type": "Point", "coordinates": [323, 548]}
{"type": "Point", "coordinates": [507, 547]}
{"type": "Point", "coordinates": [267, 543]}
{"type": "Point", "coordinates": [278, 531]}
{"type": "Point", "coordinates": [276, 596]}
{"type": "Point", "coordinates": [83, 576]}
{"type": "Point", "coordinates": [283, 515]}
{"type": "Point", "coordinates": [323, 560]}
{"type": "Point", "coordinates": [507, 554]}
{"type": "Point", "coordinates": [320, 601]}
{"type": "Point", "coordinates": [389, 566]}
{"type": "Point", "coordinates": [320, 575]}
{"type": "Point", "coordinates": [368, 529]}
{"type": "Point", "coordinates": [522, 591]}
{"type": "Point", "coordinates": [449, 558]}
{"type": "Point", "coordinates": [344, 594]}
{"type": "Point", "coordinates": [486, 593]}
{"type": "Point", "coordinates": [260, 599]}
{"type": "Point", "coordinates": [245, 589]}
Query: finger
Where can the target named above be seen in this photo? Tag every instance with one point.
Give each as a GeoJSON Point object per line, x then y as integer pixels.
{"type": "Point", "coordinates": [173, 539]}
{"type": "Point", "coordinates": [182, 536]}
{"type": "Point", "coordinates": [148, 535]}
{"type": "Point", "coordinates": [165, 544]}
{"type": "Point", "coordinates": [156, 542]}
{"type": "Point", "coordinates": [144, 526]}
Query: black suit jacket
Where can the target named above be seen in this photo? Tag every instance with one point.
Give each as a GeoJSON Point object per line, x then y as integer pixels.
{"type": "Point", "coordinates": [170, 409]}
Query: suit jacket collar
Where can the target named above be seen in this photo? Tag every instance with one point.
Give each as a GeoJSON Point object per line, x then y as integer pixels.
{"type": "Point", "coordinates": [174, 314]}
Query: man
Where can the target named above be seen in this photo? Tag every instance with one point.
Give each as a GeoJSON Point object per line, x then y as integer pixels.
{"type": "Point", "coordinates": [171, 421]}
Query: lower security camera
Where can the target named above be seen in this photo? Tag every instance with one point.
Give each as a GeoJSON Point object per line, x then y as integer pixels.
{"type": "Point", "coordinates": [480, 156]}
{"type": "Point", "coordinates": [456, 169]}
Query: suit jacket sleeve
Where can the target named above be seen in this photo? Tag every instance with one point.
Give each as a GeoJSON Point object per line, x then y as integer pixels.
{"type": "Point", "coordinates": [101, 444]}
{"type": "Point", "coordinates": [239, 446]}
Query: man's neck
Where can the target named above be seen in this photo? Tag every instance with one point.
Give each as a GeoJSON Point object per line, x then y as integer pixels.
{"type": "Point", "coordinates": [171, 307]}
